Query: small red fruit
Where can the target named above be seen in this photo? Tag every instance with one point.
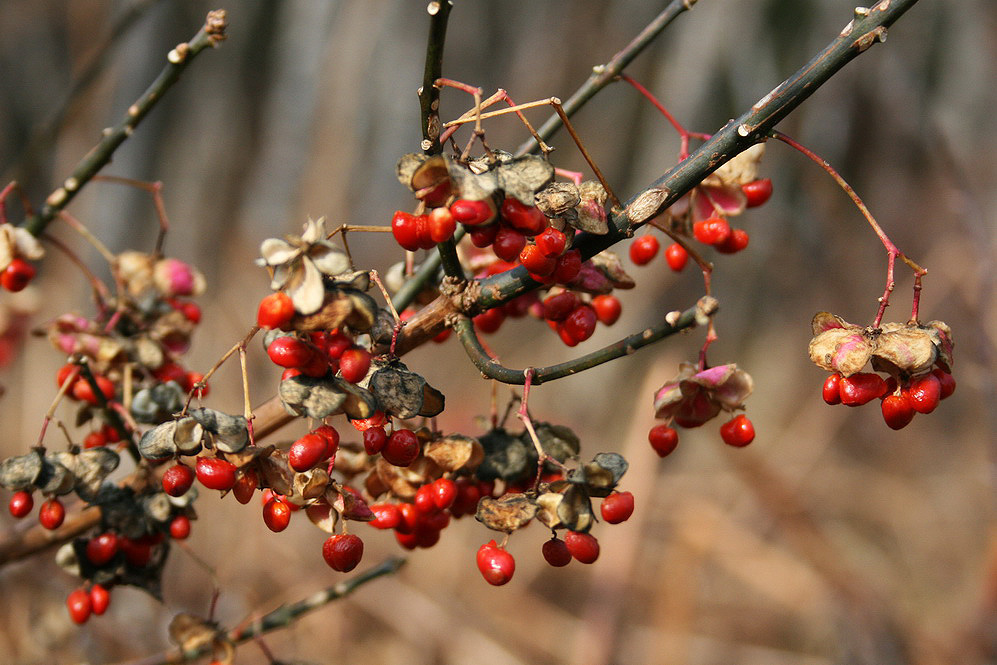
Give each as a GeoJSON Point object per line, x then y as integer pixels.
{"type": "Point", "coordinates": [736, 241]}
{"type": "Point", "coordinates": [484, 236]}
{"type": "Point", "coordinates": [738, 431]}
{"type": "Point", "coordinates": [441, 224]}
{"type": "Point", "coordinates": [583, 546]}
{"type": "Point", "coordinates": [405, 229]}
{"type": "Point", "coordinates": [138, 553]}
{"type": "Point", "coordinates": [897, 411]}
{"type": "Point", "coordinates": [556, 553]}
{"type": "Point", "coordinates": [508, 243]}
{"type": "Point", "coordinates": [17, 275]}
{"type": "Point", "coordinates": [663, 439]}
{"type": "Point", "coordinates": [568, 266]}
{"type": "Point", "coordinates": [83, 391]}
{"type": "Point", "coordinates": [472, 213]}
{"type": "Point", "coordinates": [947, 382]}
{"type": "Point", "coordinates": [757, 192]}
{"type": "Point", "coordinates": [289, 351]}
{"type": "Point", "coordinates": [374, 440]}
{"type": "Point", "coordinates": [490, 320]}
{"type": "Point", "coordinates": [21, 503]}
{"type": "Point", "coordinates": [580, 324]}
{"type": "Point", "coordinates": [51, 514]}
{"type": "Point", "coordinates": [276, 514]}
{"type": "Point", "coordinates": [444, 493]}
{"type": "Point", "coordinates": [527, 219]}
{"type": "Point", "coordinates": [386, 516]}
{"type": "Point", "coordinates": [558, 306]}
{"type": "Point", "coordinates": [306, 452]}
{"type": "Point", "coordinates": [64, 372]}
{"type": "Point", "coordinates": [607, 309]}
{"type": "Point", "coordinates": [276, 311]}
{"type": "Point", "coordinates": [364, 424]}
{"type": "Point", "coordinates": [343, 552]}
{"type": "Point", "coordinates": [712, 231]}
{"type": "Point", "coordinates": [643, 249]}
{"type": "Point", "coordinates": [402, 448]}
{"type": "Point", "coordinates": [676, 256]}
{"type": "Point", "coordinates": [617, 507]}
{"type": "Point", "coordinates": [496, 565]}
{"type": "Point", "coordinates": [924, 393]}
{"type": "Point", "coordinates": [94, 440]}
{"type": "Point", "coordinates": [216, 473]}
{"type": "Point", "coordinates": [534, 260]}
{"type": "Point", "coordinates": [831, 391]}
{"type": "Point", "coordinates": [861, 388]}
{"type": "Point", "coordinates": [245, 485]}
{"type": "Point", "coordinates": [551, 242]}
{"type": "Point", "coordinates": [79, 606]}
{"type": "Point", "coordinates": [100, 598]}
{"type": "Point", "coordinates": [177, 479]}
{"type": "Point", "coordinates": [102, 548]}
{"type": "Point", "coordinates": [353, 364]}
{"type": "Point", "coordinates": [180, 527]}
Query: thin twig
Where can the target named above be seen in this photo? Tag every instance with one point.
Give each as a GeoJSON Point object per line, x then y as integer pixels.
{"type": "Point", "coordinates": [429, 94]}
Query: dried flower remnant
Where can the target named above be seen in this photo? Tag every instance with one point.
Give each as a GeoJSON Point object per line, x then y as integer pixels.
{"type": "Point", "coordinates": [720, 192]}
{"type": "Point", "coordinates": [696, 396]}
{"type": "Point", "coordinates": [16, 242]}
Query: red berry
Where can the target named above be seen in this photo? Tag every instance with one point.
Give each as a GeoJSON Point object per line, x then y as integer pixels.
{"type": "Point", "coordinates": [496, 565]}
{"type": "Point", "coordinates": [607, 309]}
{"type": "Point", "coordinates": [736, 241]}
{"type": "Point", "coordinates": [484, 236]}
{"type": "Point", "coordinates": [374, 440]}
{"type": "Point", "coordinates": [276, 514]}
{"type": "Point", "coordinates": [557, 307]}
{"type": "Point", "coordinates": [897, 411]}
{"type": "Point", "coordinates": [79, 606]}
{"type": "Point", "coordinates": [643, 249]}
{"type": "Point", "coordinates": [353, 364]}
{"type": "Point", "coordinates": [583, 546]}
{"type": "Point", "coordinates": [409, 521]}
{"type": "Point", "coordinates": [490, 320]}
{"type": "Point", "coordinates": [832, 389]}
{"type": "Point", "coordinates": [343, 552]}
{"type": "Point", "coordinates": [216, 473]}
{"type": "Point", "coordinates": [527, 219]}
{"type": "Point", "coordinates": [441, 224]}
{"type": "Point", "coordinates": [64, 372]}
{"type": "Point", "coordinates": [364, 424]}
{"type": "Point", "coordinates": [386, 516]}
{"type": "Point", "coordinates": [738, 431]}
{"type": "Point", "coordinates": [336, 344]}
{"type": "Point", "coordinates": [289, 351]}
{"type": "Point", "coordinates": [190, 311]}
{"type": "Point", "coordinates": [568, 266]}
{"type": "Point", "coordinates": [861, 388]}
{"type": "Point", "coordinates": [405, 229]}
{"type": "Point", "coordinates": [924, 393]}
{"type": "Point", "coordinates": [946, 380]}
{"type": "Point", "coordinates": [508, 243]}
{"type": "Point", "coordinates": [83, 391]}
{"type": "Point", "coordinates": [102, 548]}
{"type": "Point", "coordinates": [51, 514]}
{"type": "Point", "coordinates": [757, 192]}
{"type": "Point", "coordinates": [534, 260]}
{"type": "Point", "coordinates": [21, 503]}
{"type": "Point", "coordinates": [663, 439]}
{"type": "Point", "coordinates": [712, 231]}
{"type": "Point", "coordinates": [138, 553]}
{"type": "Point", "coordinates": [276, 311]}
{"type": "Point", "coordinates": [580, 324]}
{"type": "Point", "coordinates": [422, 229]}
{"type": "Point", "coordinates": [170, 372]}
{"type": "Point", "coordinates": [94, 440]}
{"type": "Point", "coordinates": [177, 480]}
{"type": "Point", "coordinates": [331, 438]}
{"type": "Point", "coordinates": [17, 275]}
{"type": "Point", "coordinates": [306, 452]}
{"type": "Point", "coordinates": [617, 507]}
{"type": "Point", "coordinates": [402, 448]}
{"type": "Point", "coordinates": [556, 552]}
{"type": "Point", "coordinates": [444, 493]}
{"type": "Point", "coordinates": [100, 598]}
{"type": "Point", "coordinates": [245, 485]}
{"type": "Point", "coordinates": [472, 213]}
{"type": "Point", "coordinates": [180, 527]}
{"type": "Point", "coordinates": [468, 495]}
{"type": "Point", "coordinates": [676, 256]}
{"type": "Point", "coordinates": [191, 379]}
{"type": "Point", "coordinates": [551, 242]}
{"type": "Point", "coordinates": [424, 501]}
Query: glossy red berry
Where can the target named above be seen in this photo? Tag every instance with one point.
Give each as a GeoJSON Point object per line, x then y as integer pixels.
{"type": "Point", "coordinates": [374, 440]}
{"type": "Point", "coordinates": [484, 236]}
{"type": "Point", "coordinates": [83, 391]}
{"type": "Point", "coordinates": [617, 507]}
{"type": "Point", "coordinates": [663, 439]}
{"type": "Point", "coordinates": [138, 552]}
{"type": "Point", "coordinates": [444, 493]}
{"type": "Point", "coordinates": [947, 382]}
{"type": "Point", "coordinates": [21, 503]}
{"type": "Point", "coordinates": [558, 306]}
{"type": "Point", "coordinates": [735, 242]}
{"type": "Point", "coordinates": [402, 448]}
{"type": "Point", "coordinates": [441, 224]}
{"type": "Point", "coordinates": [712, 231]}
{"type": "Point", "coordinates": [405, 229]}
{"type": "Point", "coordinates": [490, 320]}
{"type": "Point", "coordinates": [556, 553]}
{"type": "Point", "coordinates": [861, 388]}
{"type": "Point", "coordinates": [607, 309]}
{"type": "Point", "coordinates": [100, 598]}
{"type": "Point", "coordinates": [424, 501]}
{"type": "Point", "coordinates": [180, 527]}
{"type": "Point", "coordinates": [65, 372]}
{"type": "Point", "coordinates": [924, 393]}
{"type": "Point", "coordinates": [343, 552]}
{"type": "Point", "coordinates": [472, 213]}
{"type": "Point", "coordinates": [354, 364]}
{"type": "Point", "coordinates": [527, 219]}
{"type": "Point", "coordinates": [897, 411]}
{"type": "Point", "coordinates": [568, 266]}
{"type": "Point", "coordinates": [757, 192]}
{"type": "Point", "coordinates": [51, 514]}
{"type": "Point", "coordinates": [583, 546]}
{"type": "Point", "coordinates": [551, 242]}
{"type": "Point", "coordinates": [306, 452]}
{"type": "Point", "coordinates": [386, 516]}
{"type": "Point", "coordinates": [17, 275]}
{"type": "Point", "coordinates": [535, 261]}
{"type": "Point", "coordinates": [496, 565]}
{"type": "Point", "coordinates": [676, 256]}
{"type": "Point", "coordinates": [276, 311]}
{"type": "Point", "coordinates": [178, 479]}
{"type": "Point", "coordinates": [738, 431]}
{"type": "Point", "coordinates": [245, 485]}
{"type": "Point", "coordinates": [580, 324]}
{"type": "Point", "coordinates": [215, 473]}
{"type": "Point", "coordinates": [276, 514]}
{"type": "Point", "coordinates": [364, 424]}
{"type": "Point", "coordinates": [643, 249]}
{"type": "Point", "coordinates": [102, 548]}
{"type": "Point", "coordinates": [79, 606]}
{"type": "Point", "coordinates": [831, 391]}
{"type": "Point", "coordinates": [289, 351]}
{"type": "Point", "coordinates": [94, 440]}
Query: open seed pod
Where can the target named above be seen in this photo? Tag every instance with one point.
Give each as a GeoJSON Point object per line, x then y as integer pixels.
{"type": "Point", "coordinates": [507, 513]}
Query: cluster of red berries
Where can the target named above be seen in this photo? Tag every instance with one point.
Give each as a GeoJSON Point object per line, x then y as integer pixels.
{"type": "Point", "coordinates": [17, 275]}
{"type": "Point", "coordinates": [497, 565]}
{"type": "Point", "coordinates": [900, 400]}
{"type": "Point", "coordinates": [418, 524]}
{"type": "Point", "coordinates": [739, 431]}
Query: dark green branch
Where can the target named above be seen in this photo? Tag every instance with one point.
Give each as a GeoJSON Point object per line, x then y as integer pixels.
{"type": "Point", "coordinates": [210, 34]}
{"type": "Point", "coordinates": [429, 94]}
{"type": "Point", "coordinates": [603, 75]}
{"type": "Point", "coordinates": [625, 347]}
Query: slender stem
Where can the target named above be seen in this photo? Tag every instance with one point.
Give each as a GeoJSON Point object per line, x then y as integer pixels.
{"type": "Point", "coordinates": [210, 34]}
{"type": "Point", "coordinates": [684, 135]}
{"type": "Point", "coordinates": [556, 103]}
{"type": "Point", "coordinates": [429, 94]}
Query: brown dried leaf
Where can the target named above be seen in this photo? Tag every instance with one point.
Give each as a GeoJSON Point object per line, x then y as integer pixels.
{"type": "Point", "coordinates": [507, 513]}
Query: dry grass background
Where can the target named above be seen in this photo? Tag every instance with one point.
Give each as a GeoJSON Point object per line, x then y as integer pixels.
{"type": "Point", "coordinates": [831, 540]}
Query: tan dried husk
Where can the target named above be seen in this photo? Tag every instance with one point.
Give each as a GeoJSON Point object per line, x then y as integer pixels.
{"type": "Point", "coordinates": [507, 513]}
{"type": "Point", "coordinates": [455, 452]}
{"type": "Point", "coordinates": [740, 170]}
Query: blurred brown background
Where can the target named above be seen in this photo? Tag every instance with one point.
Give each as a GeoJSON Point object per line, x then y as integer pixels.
{"type": "Point", "coordinates": [832, 539]}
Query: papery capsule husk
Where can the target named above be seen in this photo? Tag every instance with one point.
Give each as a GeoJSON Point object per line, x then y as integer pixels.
{"type": "Point", "coordinates": [604, 472]}
{"type": "Point", "coordinates": [20, 473]}
{"type": "Point", "coordinates": [505, 456]}
{"type": "Point", "coordinates": [312, 397]}
{"type": "Point", "coordinates": [55, 478]}
{"type": "Point", "coordinates": [404, 393]}
{"type": "Point", "coordinates": [507, 513]}
{"type": "Point", "coordinates": [522, 177]}
{"type": "Point", "coordinates": [455, 452]}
